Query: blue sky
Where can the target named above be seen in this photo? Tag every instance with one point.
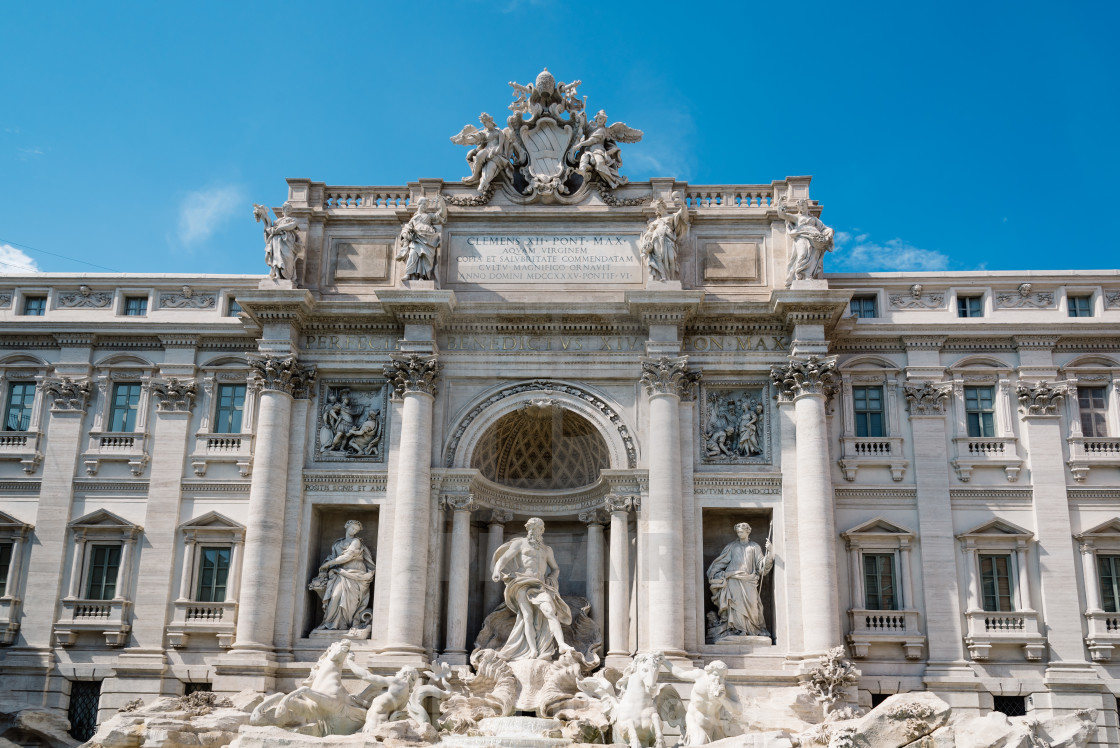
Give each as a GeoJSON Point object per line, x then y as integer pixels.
{"type": "Point", "coordinates": [940, 135]}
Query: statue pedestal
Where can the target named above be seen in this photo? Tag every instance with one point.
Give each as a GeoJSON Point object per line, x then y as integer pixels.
{"type": "Point", "coordinates": [419, 285]}
{"type": "Point", "coordinates": [267, 284]}
{"type": "Point", "coordinates": [656, 285]}
{"type": "Point", "coordinates": [326, 637]}
{"type": "Point", "coordinates": [814, 284]}
{"type": "Point", "coordinates": [743, 640]}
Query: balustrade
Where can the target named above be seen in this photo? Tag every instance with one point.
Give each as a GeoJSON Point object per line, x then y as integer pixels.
{"type": "Point", "coordinates": [365, 197]}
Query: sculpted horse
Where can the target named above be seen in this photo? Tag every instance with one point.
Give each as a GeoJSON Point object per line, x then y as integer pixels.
{"type": "Point", "coordinates": [639, 708]}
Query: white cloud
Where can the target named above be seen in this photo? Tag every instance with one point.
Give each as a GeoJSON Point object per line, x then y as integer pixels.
{"type": "Point", "coordinates": [859, 253]}
{"type": "Point", "coordinates": [14, 260]}
{"type": "Point", "coordinates": [202, 212]}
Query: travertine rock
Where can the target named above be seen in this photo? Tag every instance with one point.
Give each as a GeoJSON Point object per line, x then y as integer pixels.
{"type": "Point", "coordinates": [48, 725]}
{"type": "Point", "coordinates": [173, 722]}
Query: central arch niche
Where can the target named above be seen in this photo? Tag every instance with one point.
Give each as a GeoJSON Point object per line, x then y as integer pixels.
{"type": "Point", "coordinates": [541, 446]}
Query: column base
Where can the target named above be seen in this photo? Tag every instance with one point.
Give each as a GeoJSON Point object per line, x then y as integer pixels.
{"type": "Point", "coordinates": [234, 672]}
{"type": "Point", "coordinates": [454, 658]}
{"type": "Point", "coordinates": [618, 660]}
{"type": "Point", "coordinates": [399, 656]}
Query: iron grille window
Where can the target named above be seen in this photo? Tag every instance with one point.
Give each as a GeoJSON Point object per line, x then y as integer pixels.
{"type": "Point", "coordinates": [84, 695]}
{"type": "Point", "coordinates": [1012, 706]}
{"type": "Point", "coordinates": [189, 688]}
{"type": "Point", "coordinates": [126, 401]}
{"type": "Point", "coordinates": [1108, 568]}
{"type": "Point", "coordinates": [867, 403]}
{"type": "Point", "coordinates": [979, 408]}
{"type": "Point", "coordinates": [233, 309]}
{"type": "Point", "coordinates": [17, 412]}
{"type": "Point", "coordinates": [104, 563]}
{"type": "Point", "coordinates": [863, 307]}
{"type": "Point", "coordinates": [878, 698]}
{"type": "Point", "coordinates": [878, 581]}
{"type": "Point", "coordinates": [970, 306]}
{"type": "Point", "coordinates": [213, 571]}
{"type": "Point", "coordinates": [231, 406]}
{"type": "Point", "coordinates": [1080, 306]}
{"type": "Point", "coordinates": [1094, 412]}
{"type": "Point", "coordinates": [136, 306]}
{"type": "Point", "coordinates": [995, 583]}
{"type": "Point", "coordinates": [5, 566]}
{"type": "Point", "coordinates": [35, 306]}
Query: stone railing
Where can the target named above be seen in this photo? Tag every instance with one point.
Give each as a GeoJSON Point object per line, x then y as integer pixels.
{"type": "Point", "coordinates": [863, 451]}
{"type": "Point", "coordinates": [988, 628]}
{"type": "Point", "coordinates": [192, 618]}
{"type": "Point", "coordinates": [9, 618]}
{"type": "Point", "coordinates": [368, 198]}
{"type": "Point", "coordinates": [1104, 634]}
{"type": "Point", "coordinates": [106, 446]}
{"type": "Point", "coordinates": [898, 627]}
{"type": "Point", "coordinates": [1086, 452]}
{"type": "Point", "coordinates": [106, 617]}
{"type": "Point", "coordinates": [729, 196]}
{"type": "Point", "coordinates": [210, 448]}
{"type": "Point", "coordinates": [994, 451]}
{"type": "Point", "coordinates": [22, 446]}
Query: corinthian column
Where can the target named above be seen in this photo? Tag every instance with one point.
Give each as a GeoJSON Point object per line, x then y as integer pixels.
{"type": "Point", "coordinates": [496, 526]}
{"type": "Point", "coordinates": [280, 381]}
{"type": "Point", "coordinates": [595, 519]}
{"type": "Point", "coordinates": [414, 381]}
{"type": "Point", "coordinates": [809, 383]}
{"type": "Point", "coordinates": [666, 381]}
{"type": "Point", "coordinates": [618, 605]}
{"type": "Point", "coordinates": [459, 583]}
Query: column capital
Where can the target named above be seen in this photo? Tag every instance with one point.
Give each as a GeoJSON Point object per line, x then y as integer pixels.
{"type": "Point", "coordinates": [927, 398]}
{"type": "Point", "coordinates": [668, 376]}
{"type": "Point", "coordinates": [1040, 398]}
{"type": "Point", "coordinates": [499, 516]}
{"type": "Point", "coordinates": [413, 373]}
{"type": "Point", "coordinates": [615, 503]}
{"type": "Point", "coordinates": [68, 394]}
{"type": "Point", "coordinates": [594, 516]}
{"type": "Point", "coordinates": [174, 395]}
{"type": "Point", "coordinates": [282, 374]}
{"type": "Point", "coordinates": [813, 375]}
{"type": "Point", "coordinates": [461, 502]}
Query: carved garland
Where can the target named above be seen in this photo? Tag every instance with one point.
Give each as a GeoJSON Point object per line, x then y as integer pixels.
{"type": "Point", "coordinates": [413, 373]}
{"type": "Point", "coordinates": [927, 399]}
{"type": "Point", "coordinates": [619, 202]}
{"type": "Point", "coordinates": [1041, 398]}
{"type": "Point", "coordinates": [668, 376]}
{"type": "Point", "coordinates": [283, 375]}
{"type": "Point", "coordinates": [815, 375]}
{"type": "Point", "coordinates": [473, 201]}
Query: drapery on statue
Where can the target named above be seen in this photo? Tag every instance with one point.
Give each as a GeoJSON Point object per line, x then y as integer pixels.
{"type": "Point", "coordinates": [491, 153]}
{"type": "Point", "coordinates": [418, 242]}
{"type": "Point", "coordinates": [599, 153]}
{"type": "Point", "coordinates": [662, 241]}
{"type": "Point", "coordinates": [343, 583]}
{"type": "Point", "coordinates": [710, 715]}
{"type": "Point", "coordinates": [532, 578]}
{"type": "Point", "coordinates": [811, 239]}
{"type": "Point", "coordinates": [281, 240]}
{"type": "Point", "coordinates": [735, 578]}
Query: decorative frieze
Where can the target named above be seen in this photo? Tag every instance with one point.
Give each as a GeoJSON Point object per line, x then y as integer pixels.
{"type": "Point", "coordinates": [413, 373]}
{"type": "Point", "coordinates": [595, 516]}
{"type": "Point", "coordinates": [927, 398]}
{"type": "Point", "coordinates": [174, 395]}
{"type": "Point", "coordinates": [815, 375]}
{"type": "Point", "coordinates": [1024, 299]}
{"type": "Point", "coordinates": [616, 503]}
{"type": "Point", "coordinates": [351, 420]}
{"type": "Point", "coordinates": [68, 394]}
{"type": "Point", "coordinates": [283, 375]}
{"type": "Point", "coordinates": [668, 376]}
{"type": "Point", "coordinates": [1040, 398]}
{"type": "Point", "coordinates": [916, 299]}
{"type": "Point", "coordinates": [84, 297]}
{"type": "Point", "coordinates": [734, 424]}
{"type": "Point", "coordinates": [1111, 298]}
{"type": "Point", "coordinates": [187, 299]}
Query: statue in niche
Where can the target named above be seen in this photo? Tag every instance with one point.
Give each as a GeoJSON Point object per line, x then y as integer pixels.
{"type": "Point", "coordinates": [418, 242]}
{"type": "Point", "coordinates": [710, 715]}
{"type": "Point", "coordinates": [281, 240]}
{"type": "Point", "coordinates": [734, 426]}
{"type": "Point", "coordinates": [528, 568]}
{"type": "Point", "coordinates": [343, 584]}
{"type": "Point", "coordinates": [599, 154]}
{"type": "Point", "coordinates": [664, 238]}
{"type": "Point", "coordinates": [493, 147]}
{"type": "Point", "coordinates": [811, 239]}
{"type": "Point", "coordinates": [735, 579]}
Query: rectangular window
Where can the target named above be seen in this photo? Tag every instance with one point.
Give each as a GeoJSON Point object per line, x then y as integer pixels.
{"type": "Point", "coordinates": [863, 307]}
{"type": "Point", "coordinates": [980, 411]}
{"type": "Point", "coordinates": [17, 412]}
{"type": "Point", "coordinates": [84, 698]}
{"type": "Point", "coordinates": [1094, 413]}
{"type": "Point", "coordinates": [867, 403]}
{"type": "Point", "coordinates": [230, 408]}
{"type": "Point", "coordinates": [5, 566]}
{"type": "Point", "coordinates": [878, 581]}
{"type": "Point", "coordinates": [126, 401]}
{"type": "Point", "coordinates": [233, 308]}
{"type": "Point", "coordinates": [995, 583]}
{"type": "Point", "coordinates": [970, 306]}
{"type": "Point", "coordinates": [1080, 306]}
{"type": "Point", "coordinates": [213, 570]}
{"type": "Point", "coordinates": [104, 563]}
{"type": "Point", "coordinates": [136, 306]}
{"type": "Point", "coordinates": [1109, 573]}
{"type": "Point", "coordinates": [35, 306]}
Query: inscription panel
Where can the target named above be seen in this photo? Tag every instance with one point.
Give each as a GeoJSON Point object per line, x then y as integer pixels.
{"type": "Point", "coordinates": [535, 259]}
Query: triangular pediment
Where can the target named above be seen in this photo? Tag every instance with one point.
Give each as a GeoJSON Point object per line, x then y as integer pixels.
{"type": "Point", "coordinates": [211, 521]}
{"type": "Point", "coordinates": [8, 522]}
{"type": "Point", "coordinates": [1109, 529]}
{"type": "Point", "coordinates": [878, 526]}
{"type": "Point", "coordinates": [997, 528]}
{"type": "Point", "coordinates": [102, 518]}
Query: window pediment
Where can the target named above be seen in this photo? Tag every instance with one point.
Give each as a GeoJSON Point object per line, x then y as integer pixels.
{"type": "Point", "coordinates": [996, 529]}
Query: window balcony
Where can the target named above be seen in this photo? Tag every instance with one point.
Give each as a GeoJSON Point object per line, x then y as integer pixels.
{"type": "Point", "coordinates": [1086, 452]}
{"type": "Point", "coordinates": [22, 446]}
{"type": "Point", "coordinates": [210, 448]}
{"type": "Point", "coordinates": [106, 617]}
{"type": "Point", "coordinates": [872, 451]}
{"type": "Point", "coordinates": [1104, 634]}
{"type": "Point", "coordinates": [106, 446]}
{"type": "Point", "coordinates": [867, 627]}
{"type": "Point", "coordinates": [988, 628]}
{"type": "Point", "coordinates": [9, 619]}
{"type": "Point", "coordinates": [197, 619]}
{"type": "Point", "coordinates": [987, 451]}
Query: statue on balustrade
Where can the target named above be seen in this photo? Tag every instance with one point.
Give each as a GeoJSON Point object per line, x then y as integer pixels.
{"type": "Point", "coordinates": [599, 153]}
{"type": "Point", "coordinates": [493, 147]}
{"type": "Point", "coordinates": [735, 579]}
{"type": "Point", "coordinates": [418, 242]}
{"type": "Point", "coordinates": [281, 238]}
{"type": "Point", "coordinates": [528, 568]}
{"type": "Point", "coordinates": [343, 583]}
{"type": "Point", "coordinates": [811, 239]}
{"type": "Point", "coordinates": [664, 239]}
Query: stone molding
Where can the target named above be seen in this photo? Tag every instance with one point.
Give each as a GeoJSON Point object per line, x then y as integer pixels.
{"type": "Point", "coordinates": [413, 373]}
{"type": "Point", "coordinates": [174, 395]}
{"type": "Point", "coordinates": [85, 297]}
{"type": "Point", "coordinates": [595, 516]}
{"type": "Point", "coordinates": [668, 376]}
{"type": "Point", "coordinates": [68, 394]}
{"type": "Point", "coordinates": [616, 503]}
{"type": "Point", "coordinates": [285, 375]}
{"type": "Point", "coordinates": [499, 516]}
{"type": "Point", "coordinates": [1040, 398]}
{"type": "Point", "coordinates": [814, 375]}
{"type": "Point", "coordinates": [461, 503]}
{"type": "Point", "coordinates": [927, 398]}
{"type": "Point", "coordinates": [188, 298]}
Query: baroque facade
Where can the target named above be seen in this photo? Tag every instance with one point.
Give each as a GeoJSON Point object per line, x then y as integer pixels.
{"type": "Point", "coordinates": [929, 463]}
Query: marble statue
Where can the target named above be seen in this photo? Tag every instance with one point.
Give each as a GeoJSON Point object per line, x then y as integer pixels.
{"type": "Point", "coordinates": [365, 439]}
{"type": "Point", "coordinates": [281, 238]}
{"type": "Point", "coordinates": [710, 715]}
{"type": "Point", "coordinates": [735, 578]}
{"type": "Point", "coordinates": [340, 415]}
{"type": "Point", "coordinates": [528, 568]}
{"type": "Point", "coordinates": [637, 705]}
{"type": "Point", "coordinates": [491, 153]}
{"type": "Point", "coordinates": [811, 239]}
{"type": "Point", "coordinates": [343, 583]}
{"type": "Point", "coordinates": [733, 426]}
{"type": "Point", "coordinates": [599, 154]}
{"type": "Point", "coordinates": [664, 238]}
{"type": "Point", "coordinates": [393, 701]}
{"type": "Point", "coordinates": [418, 242]}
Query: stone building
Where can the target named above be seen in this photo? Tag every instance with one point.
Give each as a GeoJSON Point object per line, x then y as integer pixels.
{"type": "Point", "coordinates": [935, 457]}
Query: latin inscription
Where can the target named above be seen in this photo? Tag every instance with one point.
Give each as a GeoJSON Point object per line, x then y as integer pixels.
{"type": "Point", "coordinates": [547, 259]}
{"type": "Point", "coordinates": [547, 343]}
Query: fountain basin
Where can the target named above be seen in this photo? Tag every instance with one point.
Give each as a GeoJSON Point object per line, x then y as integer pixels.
{"type": "Point", "coordinates": [511, 732]}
